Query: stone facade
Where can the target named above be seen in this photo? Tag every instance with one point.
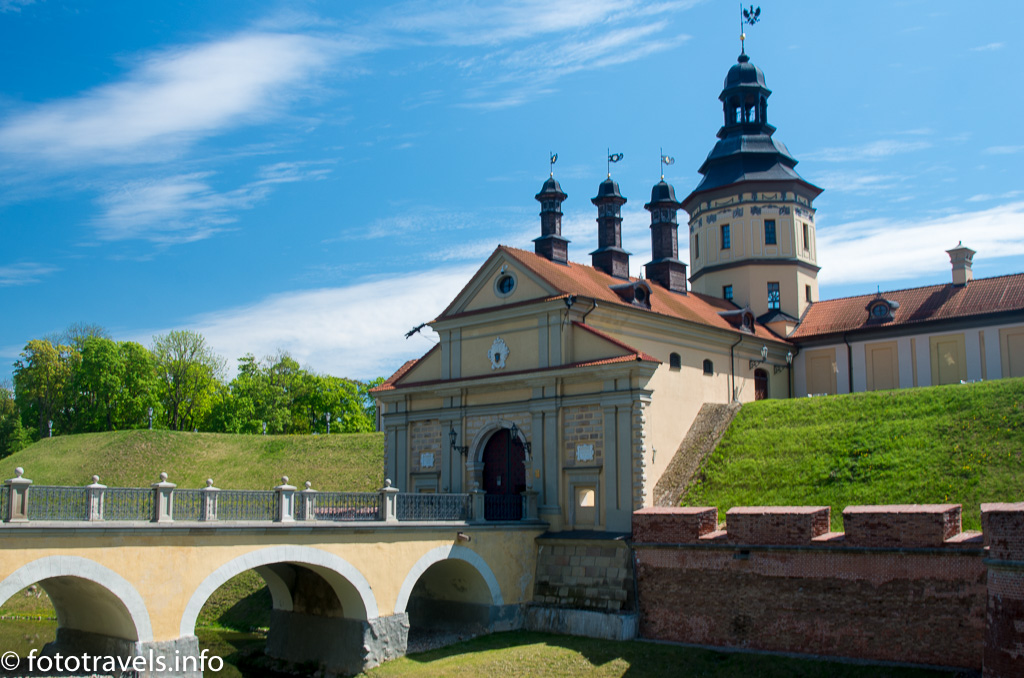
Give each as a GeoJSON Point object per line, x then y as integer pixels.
{"type": "Point", "coordinates": [425, 438]}
{"type": "Point", "coordinates": [583, 426]}
{"type": "Point", "coordinates": [584, 574]}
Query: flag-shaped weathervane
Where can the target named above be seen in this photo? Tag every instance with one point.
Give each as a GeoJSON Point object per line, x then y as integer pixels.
{"type": "Point", "coordinates": [554, 159]}
{"type": "Point", "coordinates": [613, 157]}
{"type": "Point", "coordinates": [665, 160]}
{"type": "Point", "coordinates": [747, 16]}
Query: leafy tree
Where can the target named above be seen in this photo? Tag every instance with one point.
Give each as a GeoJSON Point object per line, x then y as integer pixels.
{"type": "Point", "coordinates": [12, 435]}
{"type": "Point", "coordinates": [189, 373]}
{"type": "Point", "coordinates": [140, 386]}
{"type": "Point", "coordinates": [116, 385]}
{"type": "Point", "coordinates": [44, 388]}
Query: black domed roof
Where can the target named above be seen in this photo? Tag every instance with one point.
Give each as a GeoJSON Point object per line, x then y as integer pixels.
{"type": "Point", "coordinates": [744, 73]}
{"type": "Point", "coordinates": [551, 189]}
{"type": "Point", "coordinates": [608, 189]}
{"type": "Point", "coordinates": [663, 192]}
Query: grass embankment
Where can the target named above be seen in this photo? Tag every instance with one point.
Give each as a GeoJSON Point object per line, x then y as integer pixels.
{"type": "Point", "coordinates": [533, 654]}
{"type": "Point", "coordinates": [351, 462]}
{"type": "Point", "coordinates": [944, 444]}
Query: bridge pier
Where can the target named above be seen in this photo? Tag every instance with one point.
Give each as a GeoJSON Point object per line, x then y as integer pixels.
{"type": "Point", "coordinates": [338, 645]}
{"type": "Point", "coordinates": [168, 659]}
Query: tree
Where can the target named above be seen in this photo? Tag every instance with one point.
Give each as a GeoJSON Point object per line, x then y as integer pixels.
{"type": "Point", "coordinates": [43, 385]}
{"type": "Point", "coordinates": [116, 385]}
{"type": "Point", "coordinates": [189, 372]}
{"type": "Point", "coordinates": [12, 435]}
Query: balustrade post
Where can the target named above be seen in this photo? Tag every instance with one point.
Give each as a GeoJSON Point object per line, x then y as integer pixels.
{"type": "Point", "coordinates": [389, 502]}
{"type": "Point", "coordinates": [478, 503]}
{"type": "Point", "coordinates": [285, 501]}
{"type": "Point", "coordinates": [530, 505]}
{"type": "Point", "coordinates": [94, 495]}
{"type": "Point", "coordinates": [17, 497]}
{"type": "Point", "coordinates": [163, 500]}
{"type": "Point", "coordinates": [308, 502]}
{"type": "Point", "coordinates": [208, 510]}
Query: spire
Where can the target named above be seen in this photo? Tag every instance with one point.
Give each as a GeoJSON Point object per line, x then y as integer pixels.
{"type": "Point", "coordinates": [551, 245]}
{"type": "Point", "coordinates": [609, 255]}
{"type": "Point", "coordinates": [665, 268]}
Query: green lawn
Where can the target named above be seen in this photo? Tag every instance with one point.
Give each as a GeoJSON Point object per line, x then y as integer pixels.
{"type": "Point", "coordinates": [352, 462]}
{"type": "Point", "coordinates": [515, 654]}
{"type": "Point", "coordinates": [960, 444]}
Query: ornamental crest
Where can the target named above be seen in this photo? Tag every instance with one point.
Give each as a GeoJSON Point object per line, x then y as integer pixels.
{"type": "Point", "coordinates": [498, 353]}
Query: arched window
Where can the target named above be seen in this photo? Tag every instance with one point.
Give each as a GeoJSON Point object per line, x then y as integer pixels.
{"type": "Point", "coordinates": [709, 367]}
{"type": "Point", "coordinates": [675, 361]}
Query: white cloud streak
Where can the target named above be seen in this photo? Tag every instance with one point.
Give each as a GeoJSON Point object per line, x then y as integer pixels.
{"type": "Point", "coordinates": [169, 101]}
{"type": "Point", "coordinates": [875, 150]}
{"type": "Point", "coordinates": [26, 273]}
{"type": "Point", "coordinates": [877, 250]}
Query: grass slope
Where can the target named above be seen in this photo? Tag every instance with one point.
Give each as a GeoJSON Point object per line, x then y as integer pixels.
{"type": "Point", "coordinates": [961, 444]}
{"type": "Point", "coordinates": [535, 654]}
{"type": "Point", "coordinates": [352, 462]}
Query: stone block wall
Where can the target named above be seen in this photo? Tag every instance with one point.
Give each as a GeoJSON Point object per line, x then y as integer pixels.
{"type": "Point", "coordinates": [584, 574]}
{"type": "Point", "coordinates": [582, 425]}
{"type": "Point", "coordinates": [903, 584]}
{"type": "Point", "coordinates": [425, 436]}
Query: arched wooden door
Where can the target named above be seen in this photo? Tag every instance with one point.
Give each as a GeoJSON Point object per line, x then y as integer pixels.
{"type": "Point", "coordinates": [760, 384]}
{"type": "Point", "coordinates": [504, 477]}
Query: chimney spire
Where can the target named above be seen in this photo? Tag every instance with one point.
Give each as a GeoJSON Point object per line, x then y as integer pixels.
{"type": "Point", "coordinates": [665, 267]}
{"type": "Point", "coordinates": [551, 245]}
{"type": "Point", "coordinates": [961, 258]}
{"type": "Point", "coordinates": [609, 255]}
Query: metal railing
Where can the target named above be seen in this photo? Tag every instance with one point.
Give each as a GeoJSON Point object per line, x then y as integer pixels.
{"type": "Point", "coordinates": [503, 507]}
{"type": "Point", "coordinates": [433, 506]}
{"type": "Point", "coordinates": [127, 503]}
{"type": "Point", "coordinates": [188, 505]}
{"type": "Point", "coordinates": [57, 503]}
{"type": "Point", "coordinates": [343, 506]}
{"type": "Point", "coordinates": [247, 505]}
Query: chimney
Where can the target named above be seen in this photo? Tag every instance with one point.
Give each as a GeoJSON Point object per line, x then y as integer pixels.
{"type": "Point", "coordinates": [551, 245]}
{"type": "Point", "coordinates": [609, 255]}
{"type": "Point", "coordinates": [961, 258]}
{"type": "Point", "coordinates": [665, 267]}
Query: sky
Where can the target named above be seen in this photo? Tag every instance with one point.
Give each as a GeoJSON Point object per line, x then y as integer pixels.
{"type": "Point", "coordinates": [320, 177]}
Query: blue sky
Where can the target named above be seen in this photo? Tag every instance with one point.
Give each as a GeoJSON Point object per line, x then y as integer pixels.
{"type": "Point", "coordinates": [320, 177]}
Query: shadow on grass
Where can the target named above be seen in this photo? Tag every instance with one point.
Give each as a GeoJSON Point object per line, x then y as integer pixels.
{"type": "Point", "coordinates": [638, 659]}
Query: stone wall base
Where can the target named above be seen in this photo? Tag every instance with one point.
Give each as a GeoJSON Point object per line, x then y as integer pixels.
{"type": "Point", "coordinates": [336, 646]}
{"type": "Point", "coordinates": [587, 623]}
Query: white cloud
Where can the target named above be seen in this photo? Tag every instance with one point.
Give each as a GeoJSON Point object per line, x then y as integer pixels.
{"type": "Point", "coordinates": [186, 208]}
{"type": "Point", "coordinates": [877, 250]}
{"type": "Point", "coordinates": [168, 101]}
{"type": "Point", "coordinates": [356, 331]}
{"type": "Point", "coordinates": [855, 182]}
{"type": "Point", "coordinates": [990, 47]}
{"type": "Point", "coordinates": [27, 273]}
{"type": "Point", "coordinates": [1004, 150]}
{"type": "Point", "coordinates": [875, 150]}
{"type": "Point", "coordinates": [985, 197]}
{"type": "Point", "coordinates": [14, 5]}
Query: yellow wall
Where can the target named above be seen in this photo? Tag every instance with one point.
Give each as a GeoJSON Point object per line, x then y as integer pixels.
{"type": "Point", "coordinates": [821, 371]}
{"type": "Point", "coordinates": [882, 365]}
{"type": "Point", "coordinates": [949, 364]}
{"type": "Point", "coordinates": [1011, 343]}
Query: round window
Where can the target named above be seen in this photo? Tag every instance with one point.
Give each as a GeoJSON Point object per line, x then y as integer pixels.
{"type": "Point", "coordinates": [505, 285]}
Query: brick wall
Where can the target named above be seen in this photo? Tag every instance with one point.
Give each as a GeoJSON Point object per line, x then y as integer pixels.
{"type": "Point", "coordinates": [903, 584]}
{"type": "Point", "coordinates": [424, 436]}
{"type": "Point", "coordinates": [586, 574]}
{"type": "Point", "coordinates": [583, 425]}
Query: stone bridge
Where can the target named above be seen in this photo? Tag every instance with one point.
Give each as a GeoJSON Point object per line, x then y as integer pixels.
{"type": "Point", "coordinates": [350, 574]}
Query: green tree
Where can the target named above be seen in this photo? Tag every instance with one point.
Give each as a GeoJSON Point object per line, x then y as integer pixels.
{"type": "Point", "coordinates": [99, 383]}
{"type": "Point", "coordinates": [12, 435]}
{"type": "Point", "coordinates": [44, 386]}
{"type": "Point", "coordinates": [189, 373]}
{"type": "Point", "coordinates": [140, 388]}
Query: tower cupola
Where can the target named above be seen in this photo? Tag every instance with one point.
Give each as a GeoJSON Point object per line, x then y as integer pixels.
{"type": "Point", "coordinates": [551, 245]}
{"type": "Point", "coordinates": [609, 255]}
{"type": "Point", "coordinates": [665, 268]}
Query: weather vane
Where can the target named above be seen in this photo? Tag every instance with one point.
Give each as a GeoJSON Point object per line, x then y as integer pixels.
{"type": "Point", "coordinates": [613, 157]}
{"type": "Point", "coordinates": [747, 16]}
{"type": "Point", "coordinates": [665, 160]}
{"type": "Point", "coordinates": [553, 158]}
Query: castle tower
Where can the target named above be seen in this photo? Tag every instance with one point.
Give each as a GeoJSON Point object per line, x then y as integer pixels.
{"type": "Point", "coordinates": [551, 245]}
{"type": "Point", "coordinates": [752, 236]}
{"type": "Point", "coordinates": [609, 255]}
{"type": "Point", "coordinates": [665, 267]}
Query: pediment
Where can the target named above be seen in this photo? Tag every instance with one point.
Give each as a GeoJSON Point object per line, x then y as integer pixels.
{"type": "Point", "coordinates": [501, 281]}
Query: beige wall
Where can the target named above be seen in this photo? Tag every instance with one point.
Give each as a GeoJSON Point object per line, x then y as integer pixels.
{"type": "Point", "coordinates": [1011, 342]}
{"type": "Point", "coordinates": [882, 366]}
{"type": "Point", "coordinates": [821, 371]}
{"type": "Point", "coordinates": [949, 359]}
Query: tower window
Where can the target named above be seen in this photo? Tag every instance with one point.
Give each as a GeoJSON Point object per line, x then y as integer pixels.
{"type": "Point", "coordinates": [769, 232]}
{"type": "Point", "coordinates": [675, 361]}
{"type": "Point", "coordinates": [807, 292]}
{"type": "Point", "coordinates": [696, 246]}
{"type": "Point", "coordinates": [726, 240]}
{"type": "Point", "coordinates": [773, 296]}
{"type": "Point", "coordinates": [727, 292]}
{"type": "Point", "coordinates": [709, 367]}
{"type": "Point", "coordinates": [807, 237]}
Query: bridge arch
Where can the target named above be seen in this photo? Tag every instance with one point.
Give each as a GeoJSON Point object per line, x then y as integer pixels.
{"type": "Point", "coordinates": [351, 587]}
{"type": "Point", "coordinates": [86, 596]}
{"type": "Point", "coordinates": [440, 554]}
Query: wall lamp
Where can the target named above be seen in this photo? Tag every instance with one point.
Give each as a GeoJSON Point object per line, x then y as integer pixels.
{"type": "Point", "coordinates": [453, 437]}
{"type": "Point", "coordinates": [789, 363]}
{"type": "Point", "coordinates": [764, 357]}
{"type": "Point", "coordinates": [514, 432]}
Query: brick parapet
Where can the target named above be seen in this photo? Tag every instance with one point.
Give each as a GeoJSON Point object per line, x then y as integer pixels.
{"type": "Point", "coordinates": [1003, 527]}
{"type": "Point", "coordinates": [780, 525]}
{"type": "Point", "coordinates": [683, 525]}
{"type": "Point", "coordinates": [901, 525]}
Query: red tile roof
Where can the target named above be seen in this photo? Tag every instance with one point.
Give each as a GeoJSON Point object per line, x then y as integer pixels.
{"type": "Point", "coordinates": [587, 281]}
{"type": "Point", "coordinates": [916, 305]}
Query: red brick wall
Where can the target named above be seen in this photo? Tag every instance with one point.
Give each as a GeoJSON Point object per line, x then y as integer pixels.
{"type": "Point", "coordinates": [906, 588]}
{"type": "Point", "coordinates": [1004, 636]}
